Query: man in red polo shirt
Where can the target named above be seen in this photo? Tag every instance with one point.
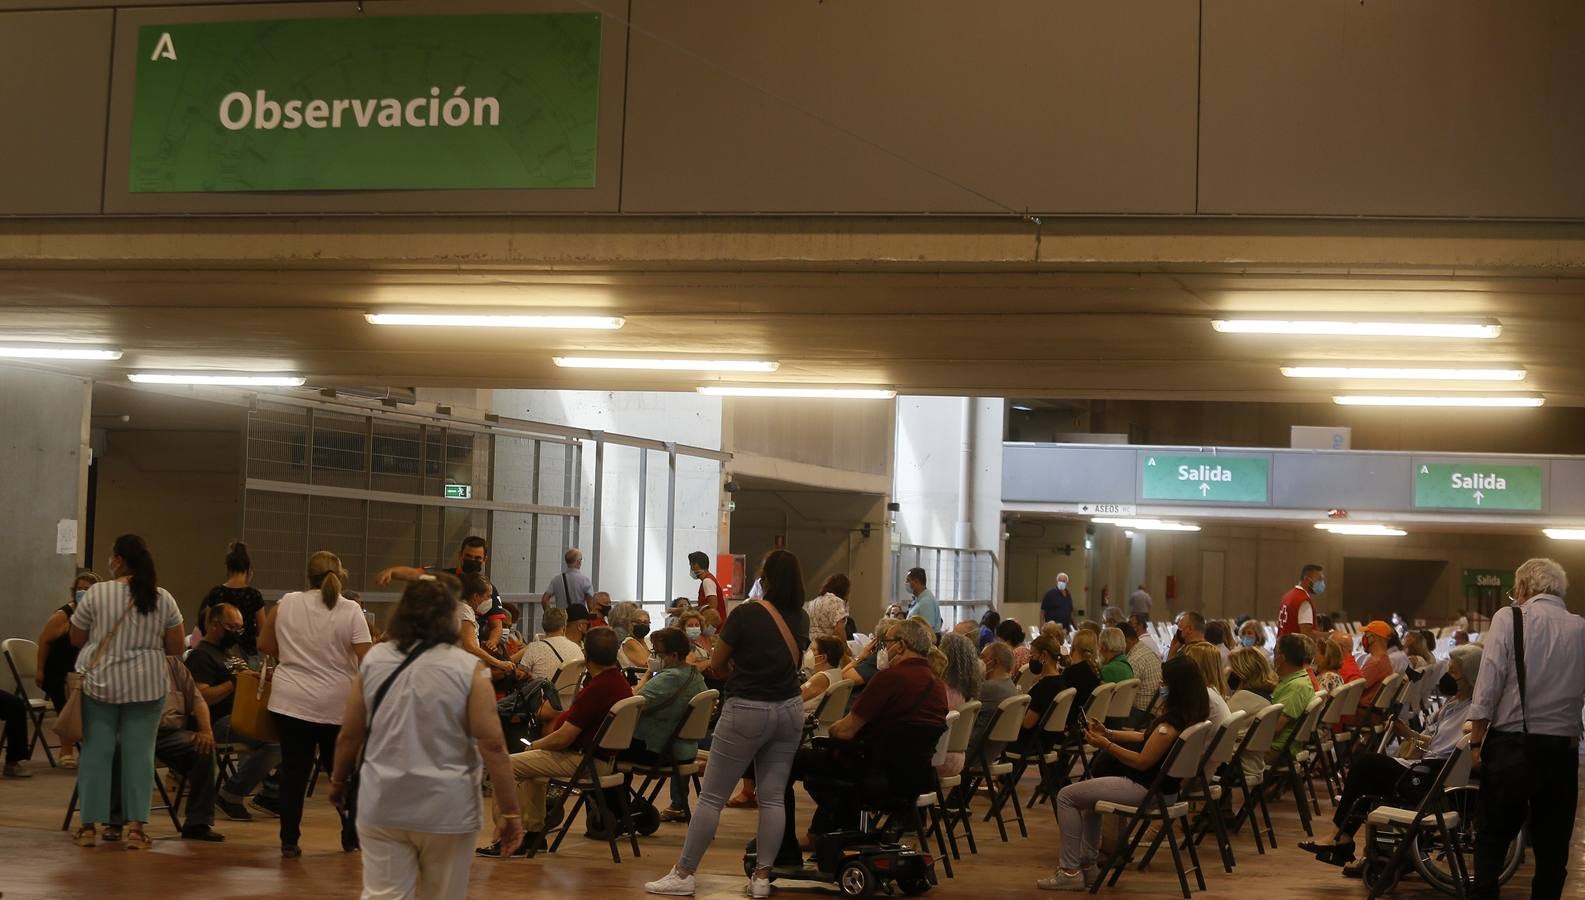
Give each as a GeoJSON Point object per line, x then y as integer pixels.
{"type": "Point", "coordinates": [557, 754]}
{"type": "Point", "coordinates": [1297, 614]}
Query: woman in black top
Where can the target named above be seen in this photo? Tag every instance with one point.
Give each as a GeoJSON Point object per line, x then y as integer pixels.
{"type": "Point", "coordinates": [1132, 761]}
{"type": "Point", "coordinates": [236, 591]}
{"type": "Point", "coordinates": [761, 723]}
{"type": "Point", "coordinates": [1045, 660]}
{"type": "Point", "coordinates": [57, 655]}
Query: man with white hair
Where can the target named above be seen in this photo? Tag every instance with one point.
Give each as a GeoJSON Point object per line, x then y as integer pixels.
{"type": "Point", "coordinates": [1525, 726]}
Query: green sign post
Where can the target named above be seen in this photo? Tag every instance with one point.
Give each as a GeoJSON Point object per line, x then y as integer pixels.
{"type": "Point", "coordinates": [1202, 477]}
{"type": "Point", "coordinates": [377, 102]}
{"type": "Point", "coordinates": [1477, 486]}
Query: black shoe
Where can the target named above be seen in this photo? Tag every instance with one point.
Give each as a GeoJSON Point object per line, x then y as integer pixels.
{"type": "Point", "coordinates": [270, 806]}
{"type": "Point", "coordinates": [493, 851]}
{"type": "Point", "coordinates": [201, 833]}
{"type": "Point", "coordinates": [290, 851]}
{"type": "Point", "coordinates": [234, 809]}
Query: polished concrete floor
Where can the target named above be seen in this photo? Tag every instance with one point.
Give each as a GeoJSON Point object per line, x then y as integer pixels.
{"type": "Point", "coordinates": [37, 860]}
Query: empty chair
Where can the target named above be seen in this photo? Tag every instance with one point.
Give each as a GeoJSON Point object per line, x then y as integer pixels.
{"type": "Point", "coordinates": [959, 733]}
{"type": "Point", "coordinates": [1123, 696]}
{"type": "Point", "coordinates": [22, 658]}
{"type": "Point", "coordinates": [983, 764]}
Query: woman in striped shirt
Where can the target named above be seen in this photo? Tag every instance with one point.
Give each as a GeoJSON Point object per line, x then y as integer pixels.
{"type": "Point", "coordinates": [125, 627]}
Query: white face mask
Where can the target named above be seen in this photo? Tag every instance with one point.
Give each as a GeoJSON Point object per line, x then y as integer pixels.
{"type": "Point", "coordinates": [881, 659]}
{"type": "Point", "coordinates": [482, 605]}
{"type": "Point", "coordinates": [1062, 585]}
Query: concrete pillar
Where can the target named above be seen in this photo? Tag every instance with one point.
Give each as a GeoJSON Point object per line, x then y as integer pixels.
{"type": "Point", "coordinates": [44, 457]}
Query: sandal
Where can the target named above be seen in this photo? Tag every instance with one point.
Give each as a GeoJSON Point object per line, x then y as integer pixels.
{"type": "Point", "coordinates": [112, 834]}
{"type": "Point", "coordinates": [86, 836]}
{"type": "Point", "coordinates": [1320, 847]}
{"type": "Point", "coordinates": [138, 840]}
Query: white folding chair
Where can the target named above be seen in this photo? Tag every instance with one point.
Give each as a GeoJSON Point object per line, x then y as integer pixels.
{"type": "Point", "coordinates": [930, 803]}
{"type": "Point", "coordinates": [1182, 764]}
{"type": "Point", "coordinates": [22, 658]}
{"type": "Point", "coordinates": [1123, 695]}
{"type": "Point", "coordinates": [959, 733]}
{"type": "Point", "coordinates": [832, 707]}
{"type": "Point", "coordinates": [594, 776]}
{"type": "Point", "coordinates": [568, 679]}
{"type": "Point", "coordinates": [1433, 811]}
{"type": "Point", "coordinates": [1293, 763]}
{"type": "Point", "coordinates": [1254, 745]}
{"type": "Point", "coordinates": [982, 766]}
{"type": "Point", "coordinates": [693, 728]}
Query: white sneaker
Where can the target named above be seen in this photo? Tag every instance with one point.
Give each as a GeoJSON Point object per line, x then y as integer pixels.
{"type": "Point", "coordinates": [1062, 881]}
{"type": "Point", "coordinates": [674, 884]}
{"type": "Point", "coordinates": [757, 887]}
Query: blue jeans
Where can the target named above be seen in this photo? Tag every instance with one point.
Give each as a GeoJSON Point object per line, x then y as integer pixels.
{"type": "Point", "coordinates": [260, 759]}
{"type": "Point", "coordinates": [761, 733]}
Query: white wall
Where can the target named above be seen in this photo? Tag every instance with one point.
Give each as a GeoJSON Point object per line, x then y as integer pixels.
{"type": "Point", "coordinates": [685, 418]}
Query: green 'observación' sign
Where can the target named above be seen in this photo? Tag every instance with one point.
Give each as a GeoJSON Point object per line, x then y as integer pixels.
{"type": "Point", "coordinates": [393, 102]}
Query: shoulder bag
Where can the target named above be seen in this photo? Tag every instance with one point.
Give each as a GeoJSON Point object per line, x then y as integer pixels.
{"type": "Point", "coordinates": [69, 724]}
{"type": "Point", "coordinates": [250, 706]}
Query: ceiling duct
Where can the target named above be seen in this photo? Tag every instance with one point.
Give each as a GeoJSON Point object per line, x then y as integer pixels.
{"type": "Point", "coordinates": [389, 395]}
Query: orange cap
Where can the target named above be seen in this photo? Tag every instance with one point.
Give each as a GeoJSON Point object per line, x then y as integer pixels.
{"type": "Point", "coordinates": [1380, 629]}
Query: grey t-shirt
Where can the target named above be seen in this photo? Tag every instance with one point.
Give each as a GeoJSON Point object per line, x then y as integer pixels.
{"type": "Point", "coordinates": [571, 586]}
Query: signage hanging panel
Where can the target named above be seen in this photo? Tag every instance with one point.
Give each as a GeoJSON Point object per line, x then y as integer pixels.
{"type": "Point", "coordinates": [368, 103]}
{"type": "Point", "coordinates": [1208, 478]}
{"type": "Point", "coordinates": [1478, 485]}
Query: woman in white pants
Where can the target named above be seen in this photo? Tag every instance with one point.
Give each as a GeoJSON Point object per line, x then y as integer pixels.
{"type": "Point", "coordinates": [418, 807]}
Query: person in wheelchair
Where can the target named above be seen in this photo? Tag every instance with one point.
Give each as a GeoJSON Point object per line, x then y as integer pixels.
{"type": "Point", "coordinates": [878, 756]}
{"type": "Point", "coordinates": [1376, 777]}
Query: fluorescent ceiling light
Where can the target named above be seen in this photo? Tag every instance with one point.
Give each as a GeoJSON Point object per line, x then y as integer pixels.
{"type": "Point", "coordinates": [1022, 408]}
{"type": "Point", "coordinates": [1361, 529]}
{"type": "Point", "coordinates": [1410, 374]}
{"type": "Point", "coordinates": [665, 363]}
{"type": "Point", "coordinates": [1565, 534]}
{"type": "Point", "coordinates": [1490, 400]}
{"type": "Point", "coordinates": [57, 351]}
{"type": "Point", "coordinates": [1483, 330]}
{"type": "Point", "coordinates": [232, 379]}
{"type": "Point", "coordinates": [495, 319]}
{"type": "Point", "coordinates": [815, 393]}
{"type": "Point", "coordinates": [1146, 524]}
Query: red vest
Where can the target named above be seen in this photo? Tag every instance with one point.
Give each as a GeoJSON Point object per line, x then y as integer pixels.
{"type": "Point", "coordinates": [720, 601]}
{"type": "Point", "coordinates": [1288, 615]}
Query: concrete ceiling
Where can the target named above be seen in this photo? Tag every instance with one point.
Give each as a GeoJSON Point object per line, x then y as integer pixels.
{"type": "Point", "coordinates": [993, 329]}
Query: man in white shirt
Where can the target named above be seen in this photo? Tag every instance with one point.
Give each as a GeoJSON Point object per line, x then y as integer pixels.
{"type": "Point", "coordinates": [569, 587]}
{"type": "Point", "coordinates": [543, 657]}
{"type": "Point", "coordinates": [1527, 732]}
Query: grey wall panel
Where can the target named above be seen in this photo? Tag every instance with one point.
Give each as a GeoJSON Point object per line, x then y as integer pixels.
{"type": "Point", "coordinates": [1051, 474]}
{"type": "Point", "coordinates": [601, 198]}
{"type": "Point", "coordinates": [1566, 488]}
{"type": "Point", "coordinates": [793, 106]}
{"type": "Point", "coordinates": [54, 85]}
{"type": "Point", "coordinates": [1413, 107]}
{"type": "Point", "coordinates": [1363, 481]}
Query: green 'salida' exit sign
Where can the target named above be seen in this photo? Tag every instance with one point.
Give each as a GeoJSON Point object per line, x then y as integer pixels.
{"type": "Point", "coordinates": [1204, 477]}
{"type": "Point", "coordinates": [1476, 485]}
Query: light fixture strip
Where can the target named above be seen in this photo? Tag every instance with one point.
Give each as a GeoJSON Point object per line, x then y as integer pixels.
{"type": "Point", "coordinates": [1386, 373]}
{"type": "Point", "coordinates": [492, 319]}
{"type": "Point", "coordinates": [58, 351]}
{"type": "Point", "coordinates": [1481, 330]}
{"type": "Point", "coordinates": [666, 364]}
{"type": "Point", "coordinates": [799, 392]}
{"type": "Point", "coordinates": [1488, 401]}
{"type": "Point", "coordinates": [219, 379]}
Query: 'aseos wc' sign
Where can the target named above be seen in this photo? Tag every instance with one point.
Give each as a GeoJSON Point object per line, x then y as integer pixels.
{"type": "Point", "coordinates": [382, 102]}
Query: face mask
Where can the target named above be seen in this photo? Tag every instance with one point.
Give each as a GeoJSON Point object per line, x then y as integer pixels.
{"type": "Point", "coordinates": [1062, 585]}
{"type": "Point", "coordinates": [696, 576]}
{"type": "Point", "coordinates": [1162, 691]}
{"type": "Point", "coordinates": [1319, 587]}
{"type": "Point", "coordinates": [1247, 640]}
{"type": "Point", "coordinates": [881, 660]}
{"type": "Point", "coordinates": [482, 605]}
{"type": "Point", "coordinates": [1233, 681]}
{"type": "Point", "coordinates": [1036, 666]}
{"type": "Point", "coordinates": [693, 632]}
{"type": "Point", "coordinates": [473, 566]}
{"type": "Point", "coordinates": [709, 631]}
{"type": "Point", "coordinates": [229, 639]}
{"type": "Point", "coordinates": [640, 630]}
{"type": "Point", "coordinates": [1447, 686]}
{"type": "Point", "coordinates": [77, 596]}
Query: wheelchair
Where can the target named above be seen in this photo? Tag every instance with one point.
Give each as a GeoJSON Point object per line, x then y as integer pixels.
{"type": "Point", "coordinates": [1446, 864]}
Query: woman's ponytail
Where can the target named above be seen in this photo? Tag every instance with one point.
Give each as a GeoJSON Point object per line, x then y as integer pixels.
{"type": "Point", "coordinates": [324, 573]}
{"type": "Point", "coordinates": [143, 583]}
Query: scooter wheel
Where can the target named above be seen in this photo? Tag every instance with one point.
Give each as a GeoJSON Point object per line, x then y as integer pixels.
{"type": "Point", "coordinates": [855, 880]}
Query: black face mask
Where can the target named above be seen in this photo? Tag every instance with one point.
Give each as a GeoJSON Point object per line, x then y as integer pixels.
{"type": "Point", "coordinates": [1233, 681]}
{"type": "Point", "coordinates": [1447, 686]}
{"type": "Point", "coordinates": [640, 630]}
{"type": "Point", "coordinates": [229, 639]}
{"type": "Point", "coordinates": [1036, 666]}
{"type": "Point", "coordinates": [472, 566]}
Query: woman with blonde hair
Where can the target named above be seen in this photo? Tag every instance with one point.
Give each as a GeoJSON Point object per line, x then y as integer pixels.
{"type": "Point", "coordinates": [1208, 659]}
{"type": "Point", "coordinates": [320, 637]}
{"type": "Point", "coordinates": [1250, 681]}
{"type": "Point", "coordinates": [1115, 666]}
{"type": "Point", "coordinates": [1328, 662]}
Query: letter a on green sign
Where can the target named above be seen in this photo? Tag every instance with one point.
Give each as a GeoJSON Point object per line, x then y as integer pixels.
{"type": "Point", "coordinates": [375, 102]}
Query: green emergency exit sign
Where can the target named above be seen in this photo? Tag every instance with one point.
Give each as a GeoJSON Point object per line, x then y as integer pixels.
{"type": "Point", "coordinates": [1477, 486]}
{"type": "Point", "coordinates": [1201, 477]}
{"type": "Point", "coordinates": [459, 492]}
